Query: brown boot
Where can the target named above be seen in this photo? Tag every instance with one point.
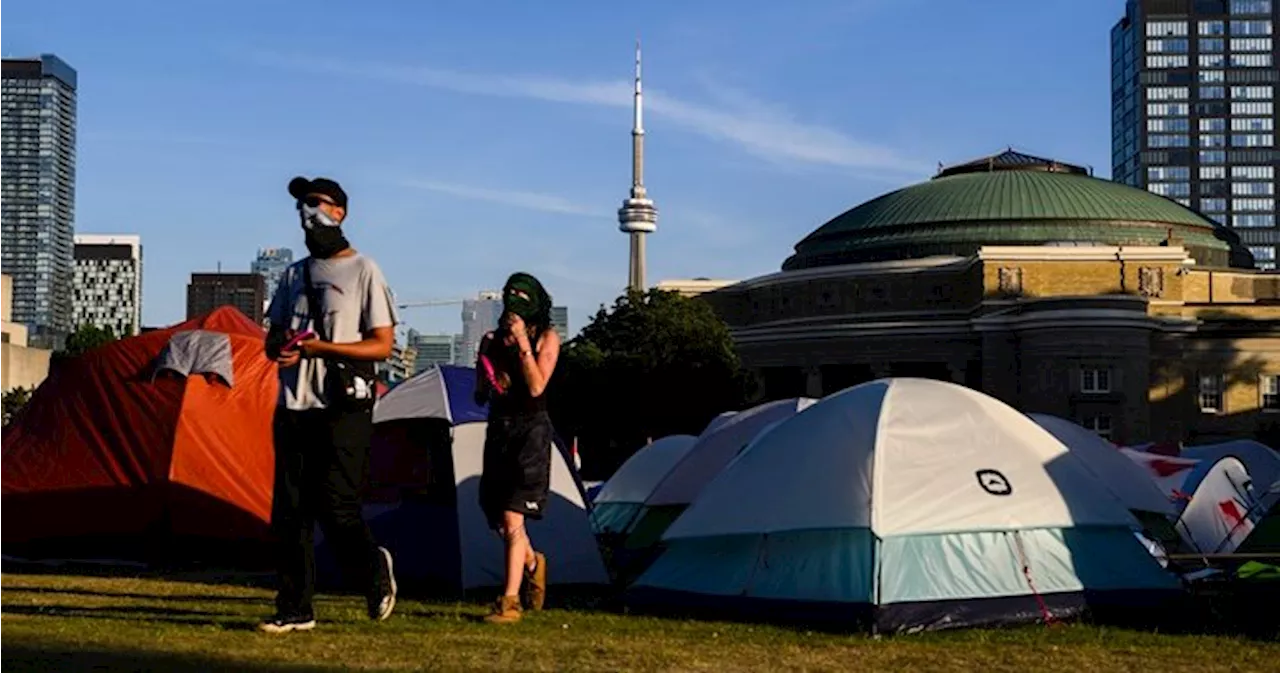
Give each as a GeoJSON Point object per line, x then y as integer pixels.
{"type": "Point", "coordinates": [535, 582]}
{"type": "Point", "coordinates": [505, 611]}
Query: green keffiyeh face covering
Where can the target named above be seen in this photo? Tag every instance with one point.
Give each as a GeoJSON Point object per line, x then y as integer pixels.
{"type": "Point", "coordinates": [524, 296]}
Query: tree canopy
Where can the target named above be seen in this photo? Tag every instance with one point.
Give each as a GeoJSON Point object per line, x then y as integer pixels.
{"type": "Point", "coordinates": [655, 364]}
{"type": "Point", "coordinates": [13, 402]}
{"type": "Point", "coordinates": [85, 339]}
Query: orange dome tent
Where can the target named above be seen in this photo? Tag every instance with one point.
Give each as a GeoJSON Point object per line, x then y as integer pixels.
{"type": "Point", "coordinates": [160, 441]}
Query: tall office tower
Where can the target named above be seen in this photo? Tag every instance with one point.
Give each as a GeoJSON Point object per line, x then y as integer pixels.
{"type": "Point", "coordinates": [560, 321]}
{"type": "Point", "coordinates": [271, 264]}
{"type": "Point", "coordinates": [479, 315]}
{"type": "Point", "coordinates": [432, 350]}
{"type": "Point", "coordinates": [37, 193]}
{"type": "Point", "coordinates": [1193, 98]}
{"type": "Point", "coordinates": [208, 291]}
{"type": "Point", "coordinates": [107, 291]}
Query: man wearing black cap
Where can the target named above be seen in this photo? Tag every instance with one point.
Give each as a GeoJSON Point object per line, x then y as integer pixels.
{"type": "Point", "coordinates": [332, 318]}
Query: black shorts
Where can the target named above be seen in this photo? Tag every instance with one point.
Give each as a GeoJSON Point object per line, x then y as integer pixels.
{"type": "Point", "coordinates": [517, 467]}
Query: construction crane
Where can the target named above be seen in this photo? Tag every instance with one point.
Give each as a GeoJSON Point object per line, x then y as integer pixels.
{"type": "Point", "coordinates": [431, 302]}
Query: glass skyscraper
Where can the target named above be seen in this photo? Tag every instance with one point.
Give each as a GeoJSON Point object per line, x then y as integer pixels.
{"type": "Point", "coordinates": [37, 193]}
{"type": "Point", "coordinates": [1193, 98]}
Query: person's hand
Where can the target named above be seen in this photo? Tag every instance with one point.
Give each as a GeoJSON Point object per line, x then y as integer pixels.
{"type": "Point", "coordinates": [288, 358]}
{"type": "Point", "coordinates": [516, 324]}
{"type": "Point", "coordinates": [311, 346]}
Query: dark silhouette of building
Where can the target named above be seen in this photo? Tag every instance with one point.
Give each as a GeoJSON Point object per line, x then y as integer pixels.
{"type": "Point", "coordinates": [245, 291]}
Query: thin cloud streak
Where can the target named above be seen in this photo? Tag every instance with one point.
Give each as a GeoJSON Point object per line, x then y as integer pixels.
{"type": "Point", "coordinates": [761, 129]}
{"type": "Point", "coordinates": [547, 203]}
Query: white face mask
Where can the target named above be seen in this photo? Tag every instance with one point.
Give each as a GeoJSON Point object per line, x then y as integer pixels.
{"type": "Point", "coordinates": [314, 217]}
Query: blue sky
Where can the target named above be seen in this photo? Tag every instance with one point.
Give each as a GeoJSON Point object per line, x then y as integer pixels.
{"type": "Point", "coordinates": [480, 138]}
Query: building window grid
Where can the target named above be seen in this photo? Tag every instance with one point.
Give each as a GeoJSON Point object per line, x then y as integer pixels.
{"type": "Point", "coordinates": [1100, 424]}
{"type": "Point", "coordinates": [1210, 393]}
{"type": "Point", "coordinates": [1269, 392]}
{"type": "Point", "coordinates": [1095, 380]}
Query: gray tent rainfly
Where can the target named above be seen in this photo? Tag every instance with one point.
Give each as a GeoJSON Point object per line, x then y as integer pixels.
{"type": "Point", "coordinates": [198, 352]}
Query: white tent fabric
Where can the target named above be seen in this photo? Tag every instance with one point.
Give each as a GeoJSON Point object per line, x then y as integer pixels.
{"type": "Point", "coordinates": [1259, 459]}
{"type": "Point", "coordinates": [621, 499]}
{"type": "Point", "coordinates": [639, 475]}
{"type": "Point", "coordinates": [936, 504]}
{"type": "Point", "coordinates": [1126, 480]}
{"type": "Point", "coordinates": [1169, 474]}
{"type": "Point", "coordinates": [564, 534]}
{"type": "Point", "coordinates": [718, 446]}
{"type": "Point", "coordinates": [1222, 510]}
{"type": "Point", "coordinates": [423, 396]}
{"type": "Point", "coordinates": [941, 452]}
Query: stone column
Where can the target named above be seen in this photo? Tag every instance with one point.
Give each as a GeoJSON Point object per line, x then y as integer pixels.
{"type": "Point", "coordinates": [813, 382]}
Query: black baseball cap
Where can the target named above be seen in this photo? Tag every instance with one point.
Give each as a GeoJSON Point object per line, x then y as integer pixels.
{"type": "Point", "coordinates": [300, 187]}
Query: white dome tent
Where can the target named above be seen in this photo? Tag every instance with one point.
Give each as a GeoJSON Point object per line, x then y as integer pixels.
{"type": "Point", "coordinates": [725, 437]}
{"type": "Point", "coordinates": [622, 496]}
{"type": "Point", "coordinates": [1126, 480]}
{"type": "Point", "coordinates": [914, 504]}
{"type": "Point", "coordinates": [1225, 507]}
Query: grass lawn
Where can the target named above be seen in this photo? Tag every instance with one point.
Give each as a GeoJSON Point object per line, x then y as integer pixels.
{"type": "Point", "coordinates": [62, 622]}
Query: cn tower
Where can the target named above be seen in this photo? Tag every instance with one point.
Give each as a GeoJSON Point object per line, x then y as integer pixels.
{"type": "Point", "coordinates": [637, 216]}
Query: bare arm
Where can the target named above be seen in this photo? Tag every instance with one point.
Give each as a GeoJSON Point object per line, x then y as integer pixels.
{"type": "Point", "coordinates": [537, 371]}
{"type": "Point", "coordinates": [375, 346]}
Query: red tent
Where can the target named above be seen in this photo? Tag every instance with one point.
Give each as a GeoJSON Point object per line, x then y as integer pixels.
{"type": "Point", "coordinates": [165, 436]}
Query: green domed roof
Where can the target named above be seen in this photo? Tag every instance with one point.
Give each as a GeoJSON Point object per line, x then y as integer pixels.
{"type": "Point", "coordinates": [985, 204]}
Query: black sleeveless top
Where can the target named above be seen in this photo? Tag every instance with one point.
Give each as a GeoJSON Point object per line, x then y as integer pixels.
{"type": "Point", "coordinates": [517, 401]}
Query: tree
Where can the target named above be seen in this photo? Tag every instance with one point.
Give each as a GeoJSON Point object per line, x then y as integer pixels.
{"type": "Point", "coordinates": [13, 402]}
{"type": "Point", "coordinates": [656, 364]}
{"type": "Point", "coordinates": [85, 339]}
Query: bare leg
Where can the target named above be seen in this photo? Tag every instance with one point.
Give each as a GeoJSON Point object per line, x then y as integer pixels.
{"type": "Point", "coordinates": [519, 551]}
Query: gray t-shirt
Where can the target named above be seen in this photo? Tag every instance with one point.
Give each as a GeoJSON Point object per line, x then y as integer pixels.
{"type": "Point", "coordinates": [356, 300]}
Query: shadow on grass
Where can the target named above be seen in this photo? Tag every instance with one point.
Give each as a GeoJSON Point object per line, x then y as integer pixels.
{"type": "Point", "coordinates": [28, 658]}
{"type": "Point", "coordinates": [121, 612]}
{"type": "Point", "coordinates": [202, 598]}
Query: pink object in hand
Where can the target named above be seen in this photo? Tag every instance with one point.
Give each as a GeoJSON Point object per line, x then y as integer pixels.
{"type": "Point", "coordinates": [297, 339]}
{"type": "Point", "coordinates": [490, 374]}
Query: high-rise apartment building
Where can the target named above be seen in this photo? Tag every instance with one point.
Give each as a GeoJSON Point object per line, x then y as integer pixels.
{"type": "Point", "coordinates": [244, 291]}
{"type": "Point", "coordinates": [107, 291]}
{"type": "Point", "coordinates": [479, 315]}
{"type": "Point", "coordinates": [1193, 110]}
{"type": "Point", "coordinates": [271, 263]}
{"type": "Point", "coordinates": [560, 321]}
{"type": "Point", "coordinates": [37, 193]}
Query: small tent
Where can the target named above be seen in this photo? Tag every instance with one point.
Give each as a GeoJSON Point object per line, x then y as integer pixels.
{"type": "Point", "coordinates": [1125, 479]}
{"type": "Point", "coordinates": [719, 444]}
{"type": "Point", "coordinates": [1171, 474]}
{"type": "Point", "coordinates": [622, 496]}
{"type": "Point", "coordinates": [1225, 507]}
{"type": "Point", "coordinates": [914, 504]}
{"type": "Point", "coordinates": [424, 506]}
{"type": "Point", "coordinates": [160, 442]}
{"type": "Point", "coordinates": [1262, 463]}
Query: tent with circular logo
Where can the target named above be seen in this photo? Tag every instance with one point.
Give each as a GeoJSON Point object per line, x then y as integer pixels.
{"type": "Point", "coordinates": [910, 504]}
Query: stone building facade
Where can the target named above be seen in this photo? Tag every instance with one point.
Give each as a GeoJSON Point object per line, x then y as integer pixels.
{"type": "Point", "coordinates": [1136, 339]}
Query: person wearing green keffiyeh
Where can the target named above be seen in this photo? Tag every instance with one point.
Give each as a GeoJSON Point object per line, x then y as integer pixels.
{"type": "Point", "coordinates": [513, 367]}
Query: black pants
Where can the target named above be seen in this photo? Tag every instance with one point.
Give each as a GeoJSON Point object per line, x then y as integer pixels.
{"type": "Point", "coordinates": [322, 470]}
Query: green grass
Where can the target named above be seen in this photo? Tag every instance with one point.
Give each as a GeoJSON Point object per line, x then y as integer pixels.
{"type": "Point", "coordinates": [61, 622]}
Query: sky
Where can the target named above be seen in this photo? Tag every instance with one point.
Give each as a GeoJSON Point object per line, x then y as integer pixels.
{"type": "Point", "coordinates": [478, 139]}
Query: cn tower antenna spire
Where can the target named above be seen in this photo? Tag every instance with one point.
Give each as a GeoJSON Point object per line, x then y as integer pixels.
{"type": "Point", "coordinates": [637, 216]}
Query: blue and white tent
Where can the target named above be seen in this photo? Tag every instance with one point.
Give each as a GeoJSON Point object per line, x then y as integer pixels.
{"type": "Point", "coordinates": [911, 504]}
{"type": "Point", "coordinates": [424, 502]}
{"type": "Point", "coordinates": [622, 497]}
